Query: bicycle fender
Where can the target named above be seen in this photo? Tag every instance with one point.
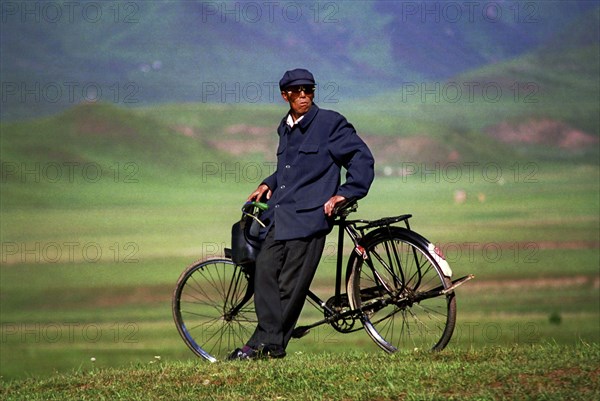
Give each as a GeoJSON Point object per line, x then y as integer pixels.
{"type": "Point", "coordinates": [425, 244]}
{"type": "Point", "coordinates": [440, 259]}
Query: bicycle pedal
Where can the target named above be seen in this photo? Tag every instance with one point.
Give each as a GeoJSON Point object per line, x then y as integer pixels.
{"type": "Point", "coordinates": [300, 332]}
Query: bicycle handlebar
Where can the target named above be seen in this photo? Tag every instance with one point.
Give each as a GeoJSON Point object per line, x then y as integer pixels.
{"type": "Point", "coordinates": [261, 205]}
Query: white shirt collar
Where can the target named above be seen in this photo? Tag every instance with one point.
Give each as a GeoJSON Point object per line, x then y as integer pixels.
{"type": "Point", "coordinates": [290, 121]}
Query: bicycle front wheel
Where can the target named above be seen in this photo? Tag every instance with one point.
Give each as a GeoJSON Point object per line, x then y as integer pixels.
{"type": "Point", "coordinates": [398, 289]}
{"type": "Point", "coordinates": [212, 307]}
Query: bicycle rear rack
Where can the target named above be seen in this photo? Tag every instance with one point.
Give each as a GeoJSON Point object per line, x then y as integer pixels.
{"type": "Point", "coordinates": [386, 221]}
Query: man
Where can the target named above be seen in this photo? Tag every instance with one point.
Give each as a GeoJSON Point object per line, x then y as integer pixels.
{"type": "Point", "coordinates": [314, 144]}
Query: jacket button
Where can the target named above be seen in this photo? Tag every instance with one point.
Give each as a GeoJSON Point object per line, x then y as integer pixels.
{"type": "Point", "coordinates": [288, 166]}
{"type": "Point", "coordinates": [276, 206]}
{"type": "Point", "coordinates": [282, 187]}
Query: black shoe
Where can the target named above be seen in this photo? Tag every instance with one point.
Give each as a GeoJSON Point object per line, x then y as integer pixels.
{"type": "Point", "coordinates": [244, 353]}
{"type": "Point", "coordinates": [273, 351]}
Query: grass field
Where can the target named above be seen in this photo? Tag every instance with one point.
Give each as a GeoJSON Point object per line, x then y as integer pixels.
{"type": "Point", "coordinates": [538, 372]}
{"type": "Point", "coordinates": [95, 282]}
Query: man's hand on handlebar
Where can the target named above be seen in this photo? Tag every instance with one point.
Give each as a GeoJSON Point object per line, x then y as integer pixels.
{"type": "Point", "coordinates": [330, 204]}
{"type": "Point", "coordinates": [262, 190]}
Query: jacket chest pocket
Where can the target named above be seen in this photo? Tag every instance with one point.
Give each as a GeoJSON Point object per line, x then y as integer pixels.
{"type": "Point", "coordinates": [308, 156]}
{"type": "Point", "coordinates": [310, 159]}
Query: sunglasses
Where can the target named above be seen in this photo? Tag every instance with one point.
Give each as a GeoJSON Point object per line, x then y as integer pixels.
{"type": "Point", "coordinates": [309, 90]}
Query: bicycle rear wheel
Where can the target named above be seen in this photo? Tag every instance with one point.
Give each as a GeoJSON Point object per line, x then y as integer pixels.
{"type": "Point", "coordinates": [212, 307]}
{"type": "Point", "coordinates": [399, 290]}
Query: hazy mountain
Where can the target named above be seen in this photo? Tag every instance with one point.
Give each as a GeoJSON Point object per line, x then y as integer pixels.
{"type": "Point", "coordinates": [55, 54]}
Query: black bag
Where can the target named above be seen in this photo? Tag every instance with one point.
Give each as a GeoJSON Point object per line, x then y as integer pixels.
{"type": "Point", "coordinates": [245, 240]}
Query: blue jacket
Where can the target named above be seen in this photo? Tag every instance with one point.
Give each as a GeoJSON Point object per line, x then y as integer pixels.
{"type": "Point", "coordinates": [309, 160]}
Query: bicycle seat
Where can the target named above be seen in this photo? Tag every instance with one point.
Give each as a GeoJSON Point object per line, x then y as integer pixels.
{"type": "Point", "coordinates": [345, 207]}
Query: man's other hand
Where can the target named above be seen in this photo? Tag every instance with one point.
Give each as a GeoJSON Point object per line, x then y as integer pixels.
{"type": "Point", "coordinates": [330, 204]}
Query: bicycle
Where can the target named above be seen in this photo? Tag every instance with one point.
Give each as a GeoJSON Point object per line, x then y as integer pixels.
{"type": "Point", "coordinates": [398, 287]}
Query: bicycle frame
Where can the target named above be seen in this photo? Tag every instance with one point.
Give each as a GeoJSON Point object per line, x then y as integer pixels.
{"type": "Point", "coordinates": [355, 233]}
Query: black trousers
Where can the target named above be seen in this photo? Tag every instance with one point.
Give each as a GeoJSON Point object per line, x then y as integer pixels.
{"type": "Point", "coordinates": [284, 271]}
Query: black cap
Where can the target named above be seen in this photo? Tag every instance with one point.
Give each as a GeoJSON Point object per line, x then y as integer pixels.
{"type": "Point", "coordinates": [299, 76]}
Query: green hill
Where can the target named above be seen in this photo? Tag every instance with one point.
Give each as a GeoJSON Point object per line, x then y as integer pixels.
{"type": "Point", "coordinates": [49, 161]}
{"type": "Point", "coordinates": [543, 105]}
{"type": "Point", "coordinates": [545, 113]}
